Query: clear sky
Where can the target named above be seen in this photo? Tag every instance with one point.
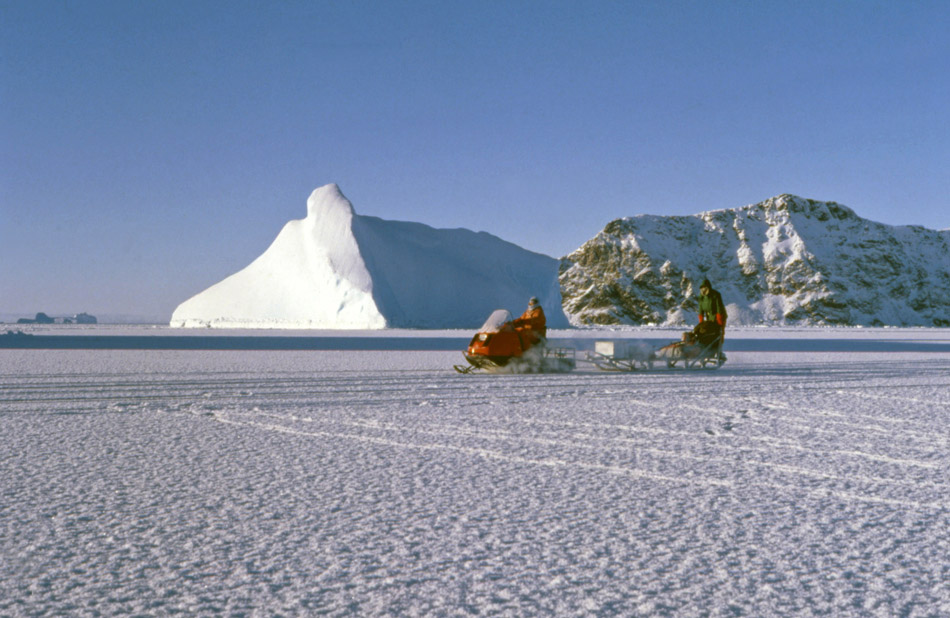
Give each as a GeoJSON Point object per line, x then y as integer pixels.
{"type": "Point", "coordinates": [149, 149]}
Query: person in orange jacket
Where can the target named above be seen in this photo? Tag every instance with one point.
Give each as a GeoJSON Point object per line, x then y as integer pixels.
{"type": "Point", "coordinates": [533, 319]}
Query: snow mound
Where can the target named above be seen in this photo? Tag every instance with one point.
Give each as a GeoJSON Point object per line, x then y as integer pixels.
{"type": "Point", "coordinates": [339, 270]}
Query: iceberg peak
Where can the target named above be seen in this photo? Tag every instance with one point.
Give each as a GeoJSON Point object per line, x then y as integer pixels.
{"type": "Point", "coordinates": [328, 202]}
{"type": "Point", "coordinates": [337, 269]}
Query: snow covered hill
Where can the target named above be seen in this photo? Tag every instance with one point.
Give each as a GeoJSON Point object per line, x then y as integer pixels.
{"type": "Point", "coordinates": [337, 269]}
{"type": "Point", "coordinates": [786, 260]}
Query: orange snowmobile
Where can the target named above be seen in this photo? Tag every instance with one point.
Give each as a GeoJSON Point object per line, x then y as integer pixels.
{"type": "Point", "coordinates": [504, 343]}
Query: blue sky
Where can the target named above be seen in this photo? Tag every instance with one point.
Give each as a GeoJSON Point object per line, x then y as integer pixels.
{"type": "Point", "coordinates": [149, 149]}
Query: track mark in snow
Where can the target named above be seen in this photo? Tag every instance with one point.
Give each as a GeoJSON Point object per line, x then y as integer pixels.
{"type": "Point", "coordinates": [635, 428]}
{"type": "Point", "coordinates": [459, 431]}
{"type": "Point", "coordinates": [864, 395]}
{"type": "Point", "coordinates": [799, 470]}
{"type": "Point", "coordinates": [485, 453]}
{"type": "Point", "coordinates": [846, 496]}
{"type": "Point", "coordinates": [782, 443]}
{"type": "Point", "coordinates": [778, 442]}
{"type": "Point", "coordinates": [847, 418]}
{"type": "Point", "coordinates": [832, 418]}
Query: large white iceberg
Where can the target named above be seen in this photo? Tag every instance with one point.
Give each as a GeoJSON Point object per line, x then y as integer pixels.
{"type": "Point", "coordinates": [339, 270]}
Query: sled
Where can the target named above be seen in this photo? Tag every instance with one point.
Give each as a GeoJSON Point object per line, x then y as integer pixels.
{"type": "Point", "coordinates": [620, 356]}
{"type": "Point", "coordinates": [693, 355]}
{"type": "Point", "coordinates": [499, 346]}
{"type": "Point", "coordinates": [695, 350]}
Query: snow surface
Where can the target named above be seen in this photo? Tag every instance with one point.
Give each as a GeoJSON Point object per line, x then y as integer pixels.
{"type": "Point", "coordinates": [337, 269]}
{"type": "Point", "coordinates": [383, 483]}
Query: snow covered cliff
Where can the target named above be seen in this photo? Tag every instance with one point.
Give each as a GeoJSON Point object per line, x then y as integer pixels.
{"type": "Point", "coordinates": [786, 260]}
{"type": "Point", "coordinates": [337, 269]}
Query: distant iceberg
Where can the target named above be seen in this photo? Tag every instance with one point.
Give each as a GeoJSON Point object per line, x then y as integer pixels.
{"type": "Point", "coordinates": [335, 269]}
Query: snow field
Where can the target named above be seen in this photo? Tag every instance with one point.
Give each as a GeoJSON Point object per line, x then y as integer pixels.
{"type": "Point", "coordinates": [382, 483]}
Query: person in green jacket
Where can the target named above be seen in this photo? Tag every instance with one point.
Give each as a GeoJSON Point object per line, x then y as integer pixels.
{"type": "Point", "coordinates": [712, 308]}
{"type": "Point", "coordinates": [710, 305]}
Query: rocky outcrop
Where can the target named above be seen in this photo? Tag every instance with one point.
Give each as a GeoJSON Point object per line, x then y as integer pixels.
{"type": "Point", "coordinates": [787, 260]}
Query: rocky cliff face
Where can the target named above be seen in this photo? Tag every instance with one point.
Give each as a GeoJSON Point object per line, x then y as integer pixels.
{"type": "Point", "coordinates": [786, 260]}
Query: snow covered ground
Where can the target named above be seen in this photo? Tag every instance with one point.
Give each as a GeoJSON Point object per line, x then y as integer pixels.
{"type": "Point", "coordinates": [361, 482]}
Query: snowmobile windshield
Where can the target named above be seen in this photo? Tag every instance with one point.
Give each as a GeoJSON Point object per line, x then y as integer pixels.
{"type": "Point", "coordinates": [495, 321]}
